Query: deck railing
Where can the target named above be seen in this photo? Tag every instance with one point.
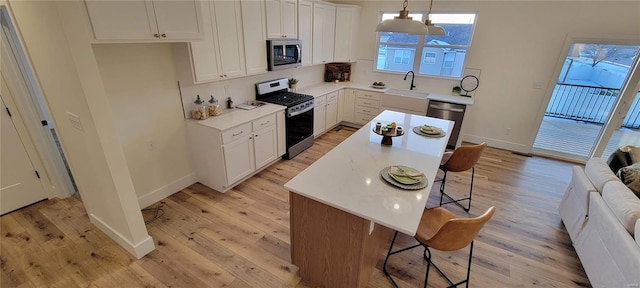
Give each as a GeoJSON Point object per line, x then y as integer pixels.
{"type": "Point", "coordinates": [589, 104]}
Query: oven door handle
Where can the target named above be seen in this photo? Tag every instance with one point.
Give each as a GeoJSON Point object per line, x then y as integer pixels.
{"type": "Point", "coordinates": [289, 114]}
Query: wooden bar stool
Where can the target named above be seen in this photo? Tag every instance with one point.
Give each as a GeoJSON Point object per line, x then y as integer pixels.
{"type": "Point", "coordinates": [444, 231]}
{"type": "Point", "coordinates": [462, 159]}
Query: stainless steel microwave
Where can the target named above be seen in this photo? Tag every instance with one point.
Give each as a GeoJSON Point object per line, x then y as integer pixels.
{"type": "Point", "coordinates": [283, 54]}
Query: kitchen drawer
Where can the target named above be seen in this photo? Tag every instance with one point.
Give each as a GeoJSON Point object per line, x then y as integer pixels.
{"type": "Point", "coordinates": [368, 95]}
{"type": "Point", "coordinates": [367, 103]}
{"type": "Point", "coordinates": [367, 110]}
{"type": "Point", "coordinates": [264, 122]}
{"type": "Point", "coordinates": [332, 96]}
{"type": "Point", "coordinates": [362, 119]}
{"type": "Point", "coordinates": [320, 101]}
{"type": "Point", "coordinates": [236, 133]}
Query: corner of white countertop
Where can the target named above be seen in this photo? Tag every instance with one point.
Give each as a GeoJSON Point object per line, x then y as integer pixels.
{"type": "Point", "coordinates": [328, 87]}
{"type": "Point", "coordinates": [234, 117]}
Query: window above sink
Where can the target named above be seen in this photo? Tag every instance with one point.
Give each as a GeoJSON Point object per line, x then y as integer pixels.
{"type": "Point", "coordinates": [428, 55]}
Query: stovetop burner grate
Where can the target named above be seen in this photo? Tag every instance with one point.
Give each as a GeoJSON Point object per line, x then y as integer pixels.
{"type": "Point", "coordinates": [287, 98]}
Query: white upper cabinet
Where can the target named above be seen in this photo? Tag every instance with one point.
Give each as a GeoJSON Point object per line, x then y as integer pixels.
{"type": "Point", "coordinates": [219, 55]}
{"type": "Point", "coordinates": [255, 36]}
{"type": "Point", "coordinates": [173, 20]}
{"type": "Point", "coordinates": [347, 20]}
{"type": "Point", "coordinates": [282, 18]}
{"type": "Point", "coordinates": [305, 30]}
{"type": "Point", "coordinates": [324, 23]}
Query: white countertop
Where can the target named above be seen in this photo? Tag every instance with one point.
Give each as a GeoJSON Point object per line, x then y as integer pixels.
{"type": "Point", "coordinates": [348, 177]}
{"type": "Point", "coordinates": [328, 87]}
{"type": "Point", "coordinates": [234, 117]}
{"type": "Point", "coordinates": [451, 99]}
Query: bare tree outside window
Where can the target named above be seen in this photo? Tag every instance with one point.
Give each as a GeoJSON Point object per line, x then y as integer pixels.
{"type": "Point", "coordinates": [606, 52]}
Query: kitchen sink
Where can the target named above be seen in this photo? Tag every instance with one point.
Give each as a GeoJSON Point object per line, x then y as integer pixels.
{"type": "Point", "coordinates": [407, 93]}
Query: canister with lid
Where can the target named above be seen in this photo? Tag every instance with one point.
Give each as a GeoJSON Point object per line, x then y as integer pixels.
{"type": "Point", "coordinates": [214, 107]}
{"type": "Point", "coordinates": [199, 111]}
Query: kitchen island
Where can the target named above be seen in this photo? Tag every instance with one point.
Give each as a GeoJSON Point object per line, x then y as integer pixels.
{"type": "Point", "coordinates": [342, 212]}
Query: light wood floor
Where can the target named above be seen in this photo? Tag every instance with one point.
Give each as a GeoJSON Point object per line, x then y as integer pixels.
{"type": "Point", "coordinates": [241, 238]}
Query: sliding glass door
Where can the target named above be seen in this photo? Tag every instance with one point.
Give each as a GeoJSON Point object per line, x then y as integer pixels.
{"type": "Point", "coordinates": [593, 107]}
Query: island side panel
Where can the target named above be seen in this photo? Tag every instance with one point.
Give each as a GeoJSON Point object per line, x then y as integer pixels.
{"type": "Point", "coordinates": [331, 247]}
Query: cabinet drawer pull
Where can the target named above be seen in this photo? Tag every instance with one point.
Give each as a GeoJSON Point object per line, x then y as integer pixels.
{"type": "Point", "coordinates": [156, 35]}
{"type": "Point", "coordinates": [236, 134]}
{"type": "Point", "coordinates": [265, 123]}
{"type": "Point", "coordinates": [164, 35]}
{"type": "Point", "coordinates": [366, 111]}
{"type": "Point", "coordinates": [368, 103]}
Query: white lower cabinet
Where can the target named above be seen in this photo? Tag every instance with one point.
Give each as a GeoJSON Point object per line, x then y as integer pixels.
{"type": "Point", "coordinates": [367, 106]}
{"type": "Point", "coordinates": [319, 115]}
{"type": "Point", "coordinates": [331, 118]}
{"type": "Point", "coordinates": [349, 105]}
{"type": "Point", "coordinates": [325, 113]}
{"type": "Point", "coordinates": [265, 145]}
{"type": "Point", "coordinates": [223, 158]}
{"type": "Point", "coordinates": [239, 158]}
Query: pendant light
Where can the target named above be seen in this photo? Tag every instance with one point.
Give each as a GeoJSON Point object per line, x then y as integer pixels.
{"type": "Point", "coordinates": [405, 24]}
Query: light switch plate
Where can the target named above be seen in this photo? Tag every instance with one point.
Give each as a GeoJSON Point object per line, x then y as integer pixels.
{"type": "Point", "coordinates": [74, 120]}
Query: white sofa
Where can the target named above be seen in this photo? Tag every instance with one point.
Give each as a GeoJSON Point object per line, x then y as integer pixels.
{"type": "Point", "coordinates": [602, 216]}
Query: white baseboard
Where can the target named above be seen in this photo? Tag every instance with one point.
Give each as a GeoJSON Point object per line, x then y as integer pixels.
{"type": "Point", "coordinates": [163, 192]}
{"type": "Point", "coordinates": [515, 147]}
{"type": "Point", "coordinates": [138, 250]}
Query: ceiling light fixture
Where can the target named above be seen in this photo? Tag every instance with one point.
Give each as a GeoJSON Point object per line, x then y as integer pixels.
{"type": "Point", "coordinates": [405, 24]}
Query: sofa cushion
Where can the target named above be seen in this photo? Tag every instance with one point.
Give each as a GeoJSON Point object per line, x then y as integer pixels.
{"type": "Point", "coordinates": [637, 234]}
{"type": "Point", "coordinates": [623, 203]}
{"type": "Point", "coordinates": [599, 173]}
{"type": "Point", "coordinates": [630, 176]}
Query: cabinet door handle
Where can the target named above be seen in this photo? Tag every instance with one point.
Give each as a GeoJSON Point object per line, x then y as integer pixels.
{"type": "Point", "coordinates": [164, 35]}
{"type": "Point", "coordinates": [156, 35]}
{"type": "Point", "coordinates": [236, 134]}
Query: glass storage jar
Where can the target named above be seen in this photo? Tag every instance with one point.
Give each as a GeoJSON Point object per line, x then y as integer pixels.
{"type": "Point", "coordinates": [199, 111]}
{"type": "Point", "coordinates": [214, 108]}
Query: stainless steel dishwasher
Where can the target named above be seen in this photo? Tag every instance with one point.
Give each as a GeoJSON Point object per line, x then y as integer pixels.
{"type": "Point", "coordinates": [448, 111]}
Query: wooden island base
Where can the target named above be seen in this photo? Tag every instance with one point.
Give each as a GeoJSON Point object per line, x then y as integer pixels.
{"type": "Point", "coordinates": [331, 247]}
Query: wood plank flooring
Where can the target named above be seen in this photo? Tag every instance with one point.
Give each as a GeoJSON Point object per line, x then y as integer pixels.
{"type": "Point", "coordinates": [241, 238]}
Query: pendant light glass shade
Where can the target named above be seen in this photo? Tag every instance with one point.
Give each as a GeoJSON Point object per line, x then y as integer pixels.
{"type": "Point", "coordinates": [405, 24]}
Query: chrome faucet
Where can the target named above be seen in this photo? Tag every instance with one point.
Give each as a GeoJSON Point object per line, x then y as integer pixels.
{"type": "Point", "coordinates": [413, 75]}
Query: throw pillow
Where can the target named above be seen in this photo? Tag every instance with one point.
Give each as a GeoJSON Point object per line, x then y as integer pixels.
{"type": "Point", "coordinates": [630, 176]}
{"type": "Point", "coordinates": [634, 152]}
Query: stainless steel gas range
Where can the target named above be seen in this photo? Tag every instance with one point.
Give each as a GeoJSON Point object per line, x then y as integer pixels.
{"type": "Point", "coordinates": [299, 120]}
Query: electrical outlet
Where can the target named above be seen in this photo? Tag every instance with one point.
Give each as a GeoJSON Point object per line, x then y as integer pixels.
{"type": "Point", "coordinates": [538, 85]}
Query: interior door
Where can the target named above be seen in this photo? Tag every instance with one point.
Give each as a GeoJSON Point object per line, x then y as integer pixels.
{"type": "Point", "coordinates": [19, 183]}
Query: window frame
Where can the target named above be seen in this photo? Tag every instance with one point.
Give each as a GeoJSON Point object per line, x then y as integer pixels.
{"type": "Point", "coordinates": [420, 45]}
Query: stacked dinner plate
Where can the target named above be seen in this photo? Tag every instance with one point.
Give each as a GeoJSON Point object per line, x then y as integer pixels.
{"type": "Point", "coordinates": [404, 177]}
{"type": "Point", "coordinates": [429, 131]}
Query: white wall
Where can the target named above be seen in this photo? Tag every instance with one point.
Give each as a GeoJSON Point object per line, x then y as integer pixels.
{"type": "Point", "coordinates": [145, 104]}
{"type": "Point", "coordinates": [56, 39]}
{"type": "Point", "coordinates": [515, 44]}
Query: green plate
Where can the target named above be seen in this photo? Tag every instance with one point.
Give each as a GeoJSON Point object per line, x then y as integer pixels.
{"type": "Point", "coordinates": [386, 177]}
{"type": "Point", "coordinates": [405, 179]}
